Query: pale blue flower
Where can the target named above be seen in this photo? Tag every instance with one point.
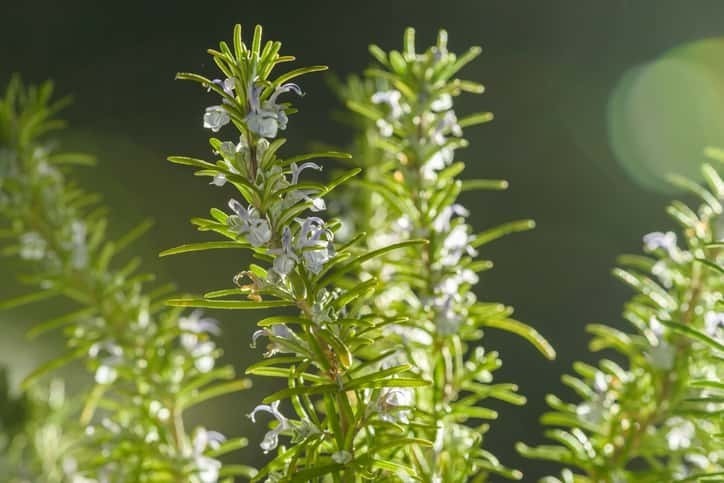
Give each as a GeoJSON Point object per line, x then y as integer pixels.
{"type": "Point", "coordinates": [448, 123]}
{"type": "Point", "coordinates": [438, 161]}
{"type": "Point", "coordinates": [207, 467]}
{"type": "Point", "coordinates": [314, 240]}
{"type": "Point", "coordinates": [297, 170]}
{"type": "Point", "coordinates": [286, 258]}
{"type": "Point", "coordinates": [227, 85]}
{"type": "Point", "coordinates": [267, 118]}
{"type": "Point", "coordinates": [232, 155]}
{"type": "Point", "coordinates": [276, 331]}
{"type": "Point", "coordinates": [271, 439]}
{"type": "Point", "coordinates": [455, 245]}
{"type": "Point", "coordinates": [195, 323]}
{"type": "Point", "coordinates": [203, 355]}
{"type": "Point", "coordinates": [712, 322]}
{"type": "Point", "coordinates": [247, 221]}
{"type": "Point", "coordinates": [202, 351]}
{"type": "Point", "coordinates": [447, 319]}
{"type": "Point", "coordinates": [392, 99]}
{"type": "Point", "coordinates": [442, 222]}
{"type": "Point", "coordinates": [450, 285]}
{"type": "Point", "coordinates": [663, 241]}
{"type": "Point", "coordinates": [215, 117]}
{"type": "Point", "coordinates": [317, 204]}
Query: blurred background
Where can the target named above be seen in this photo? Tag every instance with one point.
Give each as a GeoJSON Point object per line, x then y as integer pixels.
{"type": "Point", "coordinates": [595, 101]}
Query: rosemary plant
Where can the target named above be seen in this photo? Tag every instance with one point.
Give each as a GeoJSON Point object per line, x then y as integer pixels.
{"type": "Point", "coordinates": [658, 417]}
{"type": "Point", "coordinates": [409, 138]}
{"type": "Point", "coordinates": [347, 413]}
{"type": "Point", "coordinates": [150, 364]}
{"type": "Point", "coordinates": [38, 433]}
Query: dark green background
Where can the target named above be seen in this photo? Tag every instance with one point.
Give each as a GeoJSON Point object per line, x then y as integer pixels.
{"type": "Point", "coordinates": [549, 67]}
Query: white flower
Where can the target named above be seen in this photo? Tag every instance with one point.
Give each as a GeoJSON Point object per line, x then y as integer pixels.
{"type": "Point", "coordinates": [712, 322]}
{"type": "Point", "coordinates": [681, 433]}
{"type": "Point", "coordinates": [207, 468]}
{"type": "Point", "coordinates": [271, 439]}
{"type": "Point", "coordinates": [450, 285]}
{"type": "Point", "coordinates": [392, 99]}
{"type": "Point", "coordinates": [442, 221]}
{"type": "Point", "coordinates": [455, 245]}
{"type": "Point", "coordinates": [110, 355]}
{"type": "Point", "coordinates": [215, 117]}
{"type": "Point", "coordinates": [203, 355]}
{"type": "Point", "coordinates": [105, 374]}
{"type": "Point", "coordinates": [385, 128]}
{"type": "Point", "coordinates": [442, 103]}
{"type": "Point", "coordinates": [438, 161]}
{"type": "Point", "coordinates": [447, 319]}
{"type": "Point", "coordinates": [267, 118]}
{"type": "Point", "coordinates": [32, 246]}
{"type": "Point", "coordinates": [247, 221]}
{"type": "Point", "coordinates": [219, 180]}
{"type": "Point", "coordinates": [664, 241]}
{"type": "Point", "coordinates": [194, 324]}
{"type": "Point", "coordinates": [448, 123]}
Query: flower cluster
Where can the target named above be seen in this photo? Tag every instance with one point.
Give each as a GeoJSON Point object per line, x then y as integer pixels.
{"type": "Point", "coordinates": [410, 134]}
{"type": "Point", "coordinates": [340, 402]}
{"type": "Point", "coordinates": [149, 364]}
{"type": "Point", "coordinates": [303, 240]}
{"type": "Point", "coordinates": [653, 419]}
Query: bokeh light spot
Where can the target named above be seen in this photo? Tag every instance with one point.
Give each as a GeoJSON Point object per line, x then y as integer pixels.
{"type": "Point", "coordinates": [663, 114]}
